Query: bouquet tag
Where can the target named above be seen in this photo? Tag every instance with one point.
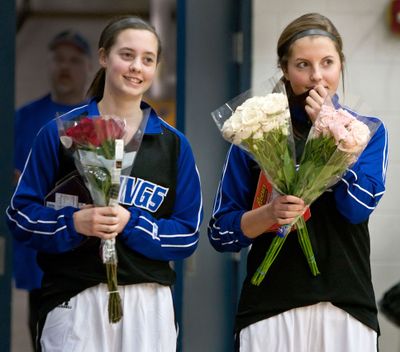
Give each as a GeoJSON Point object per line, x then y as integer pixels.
{"type": "Point", "coordinates": [263, 195]}
{"type": "Point", "coordinates": [119, 155]}
{"type": "Point", "coordinates": [119, 149]}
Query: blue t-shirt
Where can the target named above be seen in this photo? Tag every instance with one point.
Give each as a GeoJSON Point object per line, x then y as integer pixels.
{"type": "Point", "coordinates": [28, 121]}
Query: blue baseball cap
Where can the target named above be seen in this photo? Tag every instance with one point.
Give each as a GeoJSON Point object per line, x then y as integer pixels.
{"type": "Point", "coordinates": [73, 38]}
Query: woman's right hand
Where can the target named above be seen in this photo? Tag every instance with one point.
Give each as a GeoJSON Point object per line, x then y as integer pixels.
{"type": "Point", "coordinates": [282, 210]}
{"type": "Point", "coordinates": [101, 222]}
{"type": "Point", "coordinates": [314, 101]}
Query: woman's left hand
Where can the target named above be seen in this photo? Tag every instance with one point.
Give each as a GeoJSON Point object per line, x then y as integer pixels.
{"type": "Point", "coordinates": [103, 222]}
{"type": "Point", "coordinates": [314, 101]}
{"type": "Point", "coordinates": [122, 216]}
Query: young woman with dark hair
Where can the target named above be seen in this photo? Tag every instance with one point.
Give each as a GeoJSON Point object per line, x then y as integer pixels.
{"type": "Point", "coordinates": [292, 310]}
{"type": "Point", "coordinates": [157, 220]}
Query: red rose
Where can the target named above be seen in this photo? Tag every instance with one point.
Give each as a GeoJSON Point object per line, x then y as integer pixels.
{"type": "Point", "coordinates": [95, 132]}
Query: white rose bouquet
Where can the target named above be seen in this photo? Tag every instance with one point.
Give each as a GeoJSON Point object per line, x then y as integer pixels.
{"type": "Point", "coordinates": [260, 124]}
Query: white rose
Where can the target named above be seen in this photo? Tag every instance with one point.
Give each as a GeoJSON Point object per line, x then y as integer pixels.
{"type": "Point", "coordinates": [283, 118]}
{"type": "Point", "coordinates": [276, 121]}
{"type": "Point", "coordinates": [240, 136]}
{"type": "Point", "coordinates": [252, 116]}
{"type": "Point", "coordinates": [255, 116]}
{"type": "Point", "coordinates": [226, 129]}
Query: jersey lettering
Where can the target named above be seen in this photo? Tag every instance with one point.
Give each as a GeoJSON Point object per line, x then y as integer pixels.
{"type": "Point", "coordinates": [141, 193]}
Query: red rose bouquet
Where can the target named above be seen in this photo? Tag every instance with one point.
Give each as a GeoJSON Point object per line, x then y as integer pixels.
{"type": "Point", "coordinates": [97, 147]}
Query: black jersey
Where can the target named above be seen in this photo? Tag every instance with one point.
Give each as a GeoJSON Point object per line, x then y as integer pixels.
{"type": "Point", "coordinates": [162, 194]}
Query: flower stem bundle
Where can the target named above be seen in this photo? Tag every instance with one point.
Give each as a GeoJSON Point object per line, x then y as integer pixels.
{"type": "Point", "coordinates": [305, 244]}
{"type": "Point", "coordinates": [98, 148]}
{"type": "Point", "coordinates": [277, 244]}
{"type": "Point", "coordinates": [270, 256]}
{"type": "Point", "coordinates": [114, 299]}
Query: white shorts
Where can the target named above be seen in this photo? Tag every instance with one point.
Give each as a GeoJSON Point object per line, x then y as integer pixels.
{"type": "Point", "coordinates": [320, 327]}
{"type": "Point", "coordinates": [81, 324]}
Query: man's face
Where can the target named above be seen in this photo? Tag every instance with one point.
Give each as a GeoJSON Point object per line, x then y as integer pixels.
{"type": "Point", "coordinates": [69, 70]}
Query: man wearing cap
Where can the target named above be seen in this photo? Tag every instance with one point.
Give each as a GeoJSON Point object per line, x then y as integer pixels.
{"type": "Point", "coordinates": [69, 70]}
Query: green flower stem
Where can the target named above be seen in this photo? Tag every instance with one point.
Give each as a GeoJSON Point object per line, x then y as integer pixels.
{"type": "Point", "coordinates": [114, 299]}
{"type": "Point", "coordinates": [269, 258]}
{"type": "Point", "coordinates": [305, 244]}
{"type": "Point", "coordinates": [107, 149]}
{"type": "Point", "coordinates": [276, 246]}
{"type": "Point", "coordinates": [279, 164]}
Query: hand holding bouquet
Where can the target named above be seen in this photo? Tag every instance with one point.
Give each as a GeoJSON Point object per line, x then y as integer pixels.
{"type": "Point", "coordinates": [98, 148]}
{"type": "Point", "coordinates": [261, 125]}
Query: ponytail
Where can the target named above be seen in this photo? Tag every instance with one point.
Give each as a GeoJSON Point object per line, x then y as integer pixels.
{"type": "Point", "coordinates": [96, 89]}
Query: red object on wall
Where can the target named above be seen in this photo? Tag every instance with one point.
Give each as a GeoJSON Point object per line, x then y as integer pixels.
{"type": "Point", "coordinates": [394, 16]}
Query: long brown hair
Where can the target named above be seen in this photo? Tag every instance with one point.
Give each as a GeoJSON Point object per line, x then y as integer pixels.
{"type": "Point", "coordinates": [107, 40]}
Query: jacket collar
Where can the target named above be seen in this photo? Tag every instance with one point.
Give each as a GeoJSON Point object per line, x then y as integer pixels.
{"type": "Point", "coordinates": [153, 124]}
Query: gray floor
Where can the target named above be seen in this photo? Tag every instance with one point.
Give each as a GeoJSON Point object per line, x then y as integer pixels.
{"type": "Point", "coordinates": [20, 340]}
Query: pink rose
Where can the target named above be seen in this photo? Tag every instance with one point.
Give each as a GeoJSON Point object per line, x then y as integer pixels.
{"type": "Point", "coordinates": [357, 139]}
{"type": "Point", "coordinates": [338, 131]}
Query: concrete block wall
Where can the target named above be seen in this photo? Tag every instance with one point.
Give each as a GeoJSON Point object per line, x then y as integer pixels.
{"type": "Point", "coordinates": [373, 74]}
